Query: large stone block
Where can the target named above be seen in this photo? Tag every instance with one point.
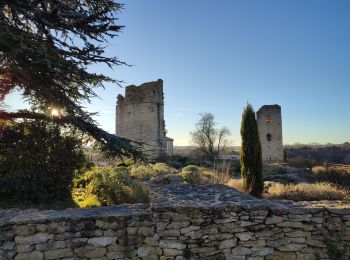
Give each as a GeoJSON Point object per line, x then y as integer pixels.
{"type": "Point", "coordinates": [36, 255]}
{"type": "Point", "coordinates": [90, 251]}
{"type": "Point", "coordinates": [172, 244]}
{"type": "Point", "coordinates": [25, 230]}
{"type": "Point", "coordinates": [101, 241]}
{"type": "Point", "coordinates": [229, 243]}
{"type": "Point", "coordinates": [58, 253]}
{"type": "Point", "coordinates": [33, 239]}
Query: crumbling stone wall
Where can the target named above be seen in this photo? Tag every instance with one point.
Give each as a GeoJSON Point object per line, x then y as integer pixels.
{"type": "Point", "coordinates": [183, 222]}
{"type": "Point", "coordinates": [269, 119]}
{"type": "Point", "coordinates": [140, 116]}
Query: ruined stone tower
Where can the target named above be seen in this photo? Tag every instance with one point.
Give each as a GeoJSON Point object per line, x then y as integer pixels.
{"type": "Point", "coordinates": [140, 117]}
{"type": "Point", "coordinates": [269, 119]}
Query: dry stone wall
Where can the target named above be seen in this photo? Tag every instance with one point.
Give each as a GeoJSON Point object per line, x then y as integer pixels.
{"type": "Point", "coordinates": [183, 222]}
{"type": "Point", "coordinates": [119, 232]}
{"type": "Point", "coordinates": [215, 222]}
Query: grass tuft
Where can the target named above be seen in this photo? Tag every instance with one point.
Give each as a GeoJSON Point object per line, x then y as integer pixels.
{"type": "Point", "coordinates": [237, 184]}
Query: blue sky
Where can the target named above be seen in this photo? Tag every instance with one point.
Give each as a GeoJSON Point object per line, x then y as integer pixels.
{"type": "Point", "coordinates": [217, 56]}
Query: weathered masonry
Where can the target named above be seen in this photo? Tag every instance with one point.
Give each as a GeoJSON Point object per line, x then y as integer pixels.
{"type": "Point", "coordinates": [140, 117]}
{"type": "Point", "coordinates": [269, 119]}
{"type": "Point", "coordinates": [182, 222]}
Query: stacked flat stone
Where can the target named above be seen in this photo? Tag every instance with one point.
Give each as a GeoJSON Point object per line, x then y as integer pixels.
{"type": "Point", "coordinates": [182, 222]}
{"type": "Point", "coordinates": [216, 222]}
{"type": "Point", "coordinates": [118, 232]}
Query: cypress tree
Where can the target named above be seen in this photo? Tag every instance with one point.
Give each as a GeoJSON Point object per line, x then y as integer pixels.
{"type": "Point", "coordinates": [251, 159]}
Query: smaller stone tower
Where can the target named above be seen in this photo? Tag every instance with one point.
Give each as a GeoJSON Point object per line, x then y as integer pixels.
{"type": "Point", "coordinates": [269, 119]}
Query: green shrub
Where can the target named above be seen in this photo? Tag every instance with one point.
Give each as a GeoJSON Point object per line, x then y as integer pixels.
{"type": "Point", "coordinates": [91, 201]}
{"type": "Point", "coordinates": [80, 181]}
{"type": "Point", "coordinates": [37, 163]}
{"type": "Point", "coordinates": [83, 199]}
{"type": "Point", "coordinates": [144, 172]}
{"type": "Point", "coordinates": [209, 175]}
{"type": "Point", "coordinates": [176, 165]}
{"type": "Point", "coordinates": [126, 163]}
{"type": "Point", "coordinates": [192, 174]}
{"type": "Point", "coordinates": [115, 186]}
{"type": "Point", "coordinates": [191, 161]}
{"type": "Point", "coordinates": [184, 160]}
{"type": "Point", "coordinates": [163, 168]}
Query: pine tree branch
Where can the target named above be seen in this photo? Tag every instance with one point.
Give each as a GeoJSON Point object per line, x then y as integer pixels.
{"type": "Point", "coordinates": [47, 45]}
{"type": "Point", "coordinates": [111, 144]}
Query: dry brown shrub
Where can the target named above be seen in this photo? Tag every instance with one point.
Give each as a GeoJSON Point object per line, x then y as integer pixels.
{"type": "Point", "coordinates": [216, 176]}
{"type": "Point", "coordinates": [236, 183]}
{"type": "Point", "coordinates": [339, 176]}
{"type": "Point", "coordinates": [306, 192]}
{"type": "Point", "coordinates": [319, 169]}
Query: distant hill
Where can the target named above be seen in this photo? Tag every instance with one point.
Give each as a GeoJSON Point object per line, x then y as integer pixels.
{"type": "Point", "coordinates": [319, 154]}
{"type": "Point", "coordinates": [183, 150]}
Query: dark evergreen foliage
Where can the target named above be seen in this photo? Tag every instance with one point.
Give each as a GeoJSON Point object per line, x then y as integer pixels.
{"type": "Point", "coordinates": [46, 49]}
{"type": "Point", "coordinates": [37, 162]}
{"type": "Point", "coordinates": [251, 159]}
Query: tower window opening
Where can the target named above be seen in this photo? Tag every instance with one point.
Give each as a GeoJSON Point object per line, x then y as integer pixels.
{"type": "Point", "coordinates": [268, 137]}
{"type": "Point", "coordinates": [268, 119]}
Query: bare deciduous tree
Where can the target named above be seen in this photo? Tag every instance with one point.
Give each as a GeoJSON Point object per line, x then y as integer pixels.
{"type": "Point", "coordinates": [209, 139]}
